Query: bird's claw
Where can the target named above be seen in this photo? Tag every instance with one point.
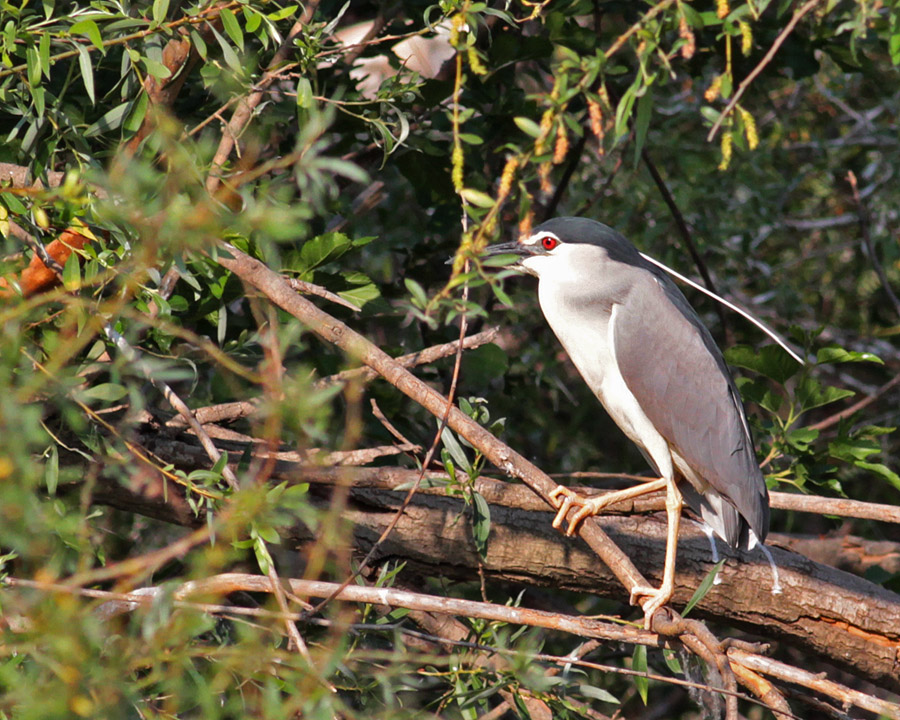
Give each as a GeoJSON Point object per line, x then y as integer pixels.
{"type": "Point", "coordinates": [564, 500]}
{"type": "Point", "coordinates": [657, 597]}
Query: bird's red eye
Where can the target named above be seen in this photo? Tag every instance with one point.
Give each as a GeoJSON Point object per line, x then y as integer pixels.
{"type": "Point", "coordinates": [548, 242]}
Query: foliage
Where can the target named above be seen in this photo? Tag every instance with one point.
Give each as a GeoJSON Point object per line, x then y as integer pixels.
{"type": "Point", "coordinates": [363, 172]}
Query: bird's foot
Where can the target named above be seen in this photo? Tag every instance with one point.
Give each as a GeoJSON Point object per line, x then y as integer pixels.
{"type": "Point", "coordinates": [564, 500]}
{"type": "Point", "coordinates": [656, 598]}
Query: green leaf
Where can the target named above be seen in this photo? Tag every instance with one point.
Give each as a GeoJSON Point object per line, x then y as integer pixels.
{"type": "Point", "coordinates": [105, 392]}
{"type": "Point", "coordinates": [882, 470]}
{"type": "Point", "coordinates": [703, 588]}
{"type": "Point", "coordinates": [51, 470]}
{"type": "Point", "coordinates": [672, 662]}
{"type": "Point", "coordinates": [304, 94]}
{"type": "Point", "coordinates": [136, 117]}
{"type": "Point", "coordinates": [623, 110]}
{"type": "Point", "coordinates": [72, 273]}
{"type": "Point", "coordinates": [87, 71]}
{"type": "Point", "coordinates": [228, 54]}
{"type": "Point", "coordinates": [771, 361]}
{"type": "Point", "coordinates": [232, 27]}
{"type": "Point", "coordinates": [323, 249]}
{"type": "Point", "coordinates": [528, 126]}
{"type": "Point", "coordinates": [33, 63]}
{"type": "Point", "coordinates": [155, 68]}
{"type": "Point", "coordinates": [642, 123]}
{"type": "Point", "coordinates": [837, 354]}
{"type": "Point", "coordinates": [477, 198]}
{"type": "Point", "coordinates": [455, 449]}
{"type": "Point", "coordinates": [812, 394]}
{"type": "Point", "coordinates": [44, 54]}
{"type": "Point", "coordinates": [595, 693]}
{"type": "Point", "coordinates": [285, 12]}
{"type": "Point", "coordinates": [759, 392]}
{"type": "Point", "coordinates": [801, 438]}
{"type": "Point", "coordinates": [500, 260]}
{"type": "Point", "coordinates": [481, 522]}
{"type": "Point", "coordinates": [111, 120]}
{"type": "Point", "coordinates": [88, 27]}
{"type": "Point", "coordinates": [359, 296]}
{"type": "Point", "coordinates": [220, 463]}
{"type": "Point", "coordinates": [160, 10]}
{"type": "Point", "coordinates": [418, 294]}
{"type": "Point", "coordinates": [639, 664]}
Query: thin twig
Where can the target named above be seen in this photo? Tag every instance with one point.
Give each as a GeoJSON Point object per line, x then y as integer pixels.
{"type": "Point", "coordinates": [131, 354]}
{"type": "Point", "coordinates": [686, 236]}
{"type": "Point", "coordinates": [769, 56]}
{"type": "Point", "coordinates": [244, 111]}
{"type": "Point", "coordinates": [857, 406]}
{"type": "Point", "coordinates": [863, 215]}
{"type": "Point", "coordinates": [389, 426]}
{"type": "Point", "coordinates": [311, 289]}
{"type": "Point", "coordinates": [420, 357]}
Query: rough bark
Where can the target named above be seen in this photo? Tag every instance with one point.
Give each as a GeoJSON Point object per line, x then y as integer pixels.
{"type": "Point", "coordinates": [838, 616]}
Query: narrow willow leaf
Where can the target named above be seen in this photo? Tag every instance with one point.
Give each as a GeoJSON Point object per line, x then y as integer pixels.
{"type": "Point", "coordinates": [72, 273]}
{"type": "Point", "coordinates": [703, 588]}
{"type": "Point", "coordinates": [89, 28]}
{"type": "Point", "coordinates": [232, 27]}
{"type": "Point", "coordinates": [51, 470]}
{"type": "Point", "coordinates": [639, 664]}
{"type": "Point", "coordinates": [87, 71]}
{"type": "Point", "coordinates": [481, 523]}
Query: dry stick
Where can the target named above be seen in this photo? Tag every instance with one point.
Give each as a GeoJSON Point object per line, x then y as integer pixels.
{"type": "Point", "coordinates": [312, 289]}
{"type": "Point", "coordinates": [863, 215]}
{"type": "Point", "coordinates": [815, 681]}
{"type": "Point", "coordinates": [746, 82]}
{"type": "Point", "coordinates": [857, 406]}
{"type": "Point", "coordinates": [245, 108]}
{"type": "Point", "coordinates": [245, 408]}
{"type": "Point", "coordinates": [421, 357]}
{"type": "Point", "coordinates": [389, 426]}
{"type": "Point", "coordinates": [764, 690]}
{"type": "Point", "coordinates": [841, 507]}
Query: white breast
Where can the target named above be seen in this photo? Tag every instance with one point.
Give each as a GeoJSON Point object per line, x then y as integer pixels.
{"type": "Point", "coordinates": [587, 334]}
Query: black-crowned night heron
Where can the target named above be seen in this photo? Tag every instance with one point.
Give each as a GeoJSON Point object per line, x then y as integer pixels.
{"type": "Point", "coordinates": [653, 365]}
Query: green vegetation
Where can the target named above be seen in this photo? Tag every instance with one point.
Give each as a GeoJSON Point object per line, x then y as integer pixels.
{"type": "Point", "coordinates": [357, 148]}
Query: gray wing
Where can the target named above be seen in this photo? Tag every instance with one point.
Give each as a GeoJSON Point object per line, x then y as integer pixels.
{"type": "Point", "coordinates": [678, 376]}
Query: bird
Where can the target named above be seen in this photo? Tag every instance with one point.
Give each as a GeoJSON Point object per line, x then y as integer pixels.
{"type": "Point", "coordinates": [655, 368]}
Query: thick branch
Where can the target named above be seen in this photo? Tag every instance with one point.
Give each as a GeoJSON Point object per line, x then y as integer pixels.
{"type": "Point", "coordinates": [846, 619]}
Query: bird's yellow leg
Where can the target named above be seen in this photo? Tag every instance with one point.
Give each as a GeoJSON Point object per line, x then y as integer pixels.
{"type": "Point", "coordinates": [656, 598]}
{"type": "Point", "coordinates": [565, 499]}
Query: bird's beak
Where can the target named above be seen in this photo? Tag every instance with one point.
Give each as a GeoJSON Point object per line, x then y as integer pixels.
{"type": "Point", "coordinates": [514, 248]}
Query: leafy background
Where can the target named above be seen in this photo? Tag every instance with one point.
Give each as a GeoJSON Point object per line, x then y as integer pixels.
{"type": "Point", "coordinates": [360, 174]}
